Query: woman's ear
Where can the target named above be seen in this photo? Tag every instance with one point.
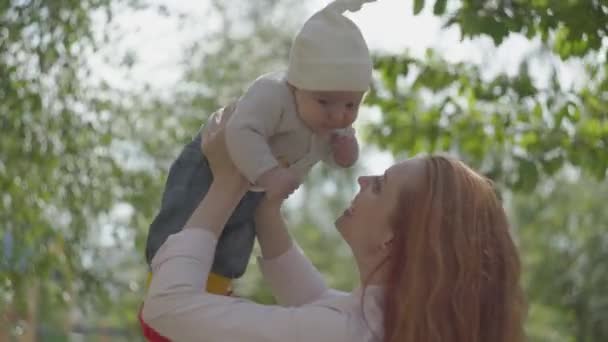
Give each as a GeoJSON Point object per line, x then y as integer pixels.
{"type": "Point", "coordinates": [386, 244]}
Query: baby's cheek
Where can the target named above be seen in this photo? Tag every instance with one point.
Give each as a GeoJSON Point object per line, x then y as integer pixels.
{"type": "Point", "coordinates": [350, 118]}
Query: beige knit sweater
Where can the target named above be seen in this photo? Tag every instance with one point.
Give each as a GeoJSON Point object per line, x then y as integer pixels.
{"type": "Point", "coordinates": [265, 131]}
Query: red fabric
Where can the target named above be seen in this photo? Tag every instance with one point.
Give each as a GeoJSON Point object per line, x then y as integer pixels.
{"type": "Point", "coordinates": [150, 334]}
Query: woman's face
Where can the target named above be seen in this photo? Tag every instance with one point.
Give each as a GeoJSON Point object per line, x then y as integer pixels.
{"type": "Point", "coordinates": [366, 224]}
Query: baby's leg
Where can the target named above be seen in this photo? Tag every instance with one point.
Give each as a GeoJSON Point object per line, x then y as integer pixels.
{"type": "Point", "coordinates": [236, 242]}
{"type": "Point", "coordinates": [188, 181]}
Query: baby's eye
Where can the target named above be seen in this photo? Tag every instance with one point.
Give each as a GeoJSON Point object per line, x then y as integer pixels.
{"type": "Point", "coordinates": [350, 105]}
{"type": "Point", "coordinates": [322, 102]}
{"type": "Point", "coordinates": [376, 185]}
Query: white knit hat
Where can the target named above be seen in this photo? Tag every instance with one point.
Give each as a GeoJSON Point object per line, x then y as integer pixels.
{"type": "Point", "coordinates": [329, 52]}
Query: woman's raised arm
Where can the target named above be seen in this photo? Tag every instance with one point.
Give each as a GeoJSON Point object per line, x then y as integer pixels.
{"type": "Point", "coordinates": [293, 279]}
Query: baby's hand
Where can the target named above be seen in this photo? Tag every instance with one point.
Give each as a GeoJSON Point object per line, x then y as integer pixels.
{"type": "Point", "coordinates": [278, 182]}
{"type": "Point", "coordinates": [345, 149]}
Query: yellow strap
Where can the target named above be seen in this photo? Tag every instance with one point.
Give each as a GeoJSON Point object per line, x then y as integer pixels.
{"type": "Point", "coordinates": [216, 284]}
{"type": "Point", "coordinates": [219, 284]}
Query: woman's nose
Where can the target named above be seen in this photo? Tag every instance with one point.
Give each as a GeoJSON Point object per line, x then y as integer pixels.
{"type": "Point", "coordinates": [363, 181]}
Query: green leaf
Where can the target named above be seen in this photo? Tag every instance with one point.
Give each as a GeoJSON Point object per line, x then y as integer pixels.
{"type": "Point", "coordinates": [418, 6]}
{"type": "Point", "coordinates": [527, 175]}
{"type": "Point", "coordinates": [552, 165]}
{"type": "Point", "coordinates": [439, 7]}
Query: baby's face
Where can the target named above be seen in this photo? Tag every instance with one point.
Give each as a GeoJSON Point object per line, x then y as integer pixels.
{"type": "Point", "coordinates": [324, 111]}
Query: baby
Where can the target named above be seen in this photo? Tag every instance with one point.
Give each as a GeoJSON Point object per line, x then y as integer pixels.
{"type": "Point", "coordinates": [283, 125]}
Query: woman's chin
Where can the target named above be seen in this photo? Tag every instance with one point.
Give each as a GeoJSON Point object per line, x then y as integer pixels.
{"type": "Point", "coordinates": [342, 222]}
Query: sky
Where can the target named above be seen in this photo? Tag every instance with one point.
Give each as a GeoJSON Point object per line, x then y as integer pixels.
{"type": "Point", "coordinates": [387, 25]}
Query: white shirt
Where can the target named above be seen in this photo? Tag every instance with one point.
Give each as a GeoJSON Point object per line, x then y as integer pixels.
{"type": "Point", "coordinates": [178, 307]}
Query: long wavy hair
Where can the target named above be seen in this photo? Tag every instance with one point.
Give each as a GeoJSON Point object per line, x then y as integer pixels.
{"type": "Point", "coordinates": [454, 271]}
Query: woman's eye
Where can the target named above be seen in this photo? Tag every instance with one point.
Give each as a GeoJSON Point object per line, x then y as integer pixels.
{"type": "Point", "coordinates": [376, 186]}
{"type": "Point", "coordinates": [322, 102]}
{"type": "Point", "coordinates": [350, 105]}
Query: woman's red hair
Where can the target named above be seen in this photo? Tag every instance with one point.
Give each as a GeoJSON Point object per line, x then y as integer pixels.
{"type": "Point", "coordinates": [454, 271]}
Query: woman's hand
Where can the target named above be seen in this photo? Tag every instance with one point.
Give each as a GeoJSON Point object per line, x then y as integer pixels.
{"type": "Point", "coordinates": [214, 147]}
{"type": "Point", "coordinates": [278, 182]}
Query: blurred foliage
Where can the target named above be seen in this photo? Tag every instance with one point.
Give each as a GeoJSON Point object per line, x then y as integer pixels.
{"type": "Point", "coordinates": [513, 129]}
{"type": "Point", "coordinates": [572, 28]}
{"type": "Point", "coordinates": [58, 173]}
{"type": "Point", "coordinates": [562, 232]}
{"type": "Point", "coordinates": [82, 160]}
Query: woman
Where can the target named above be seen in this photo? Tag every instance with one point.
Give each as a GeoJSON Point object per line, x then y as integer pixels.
{"type": "Point", "coordinates": [430, 239]}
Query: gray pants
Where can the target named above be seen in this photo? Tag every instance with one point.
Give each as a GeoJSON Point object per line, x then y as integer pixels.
{"type": "Point", "coordinates": [187, 183]}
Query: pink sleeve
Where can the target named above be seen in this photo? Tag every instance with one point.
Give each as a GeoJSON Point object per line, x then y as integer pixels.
{"type": "Point", "coordinates": [177, 306]}
{"type": "Point", "coordinates": [293, 279]}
